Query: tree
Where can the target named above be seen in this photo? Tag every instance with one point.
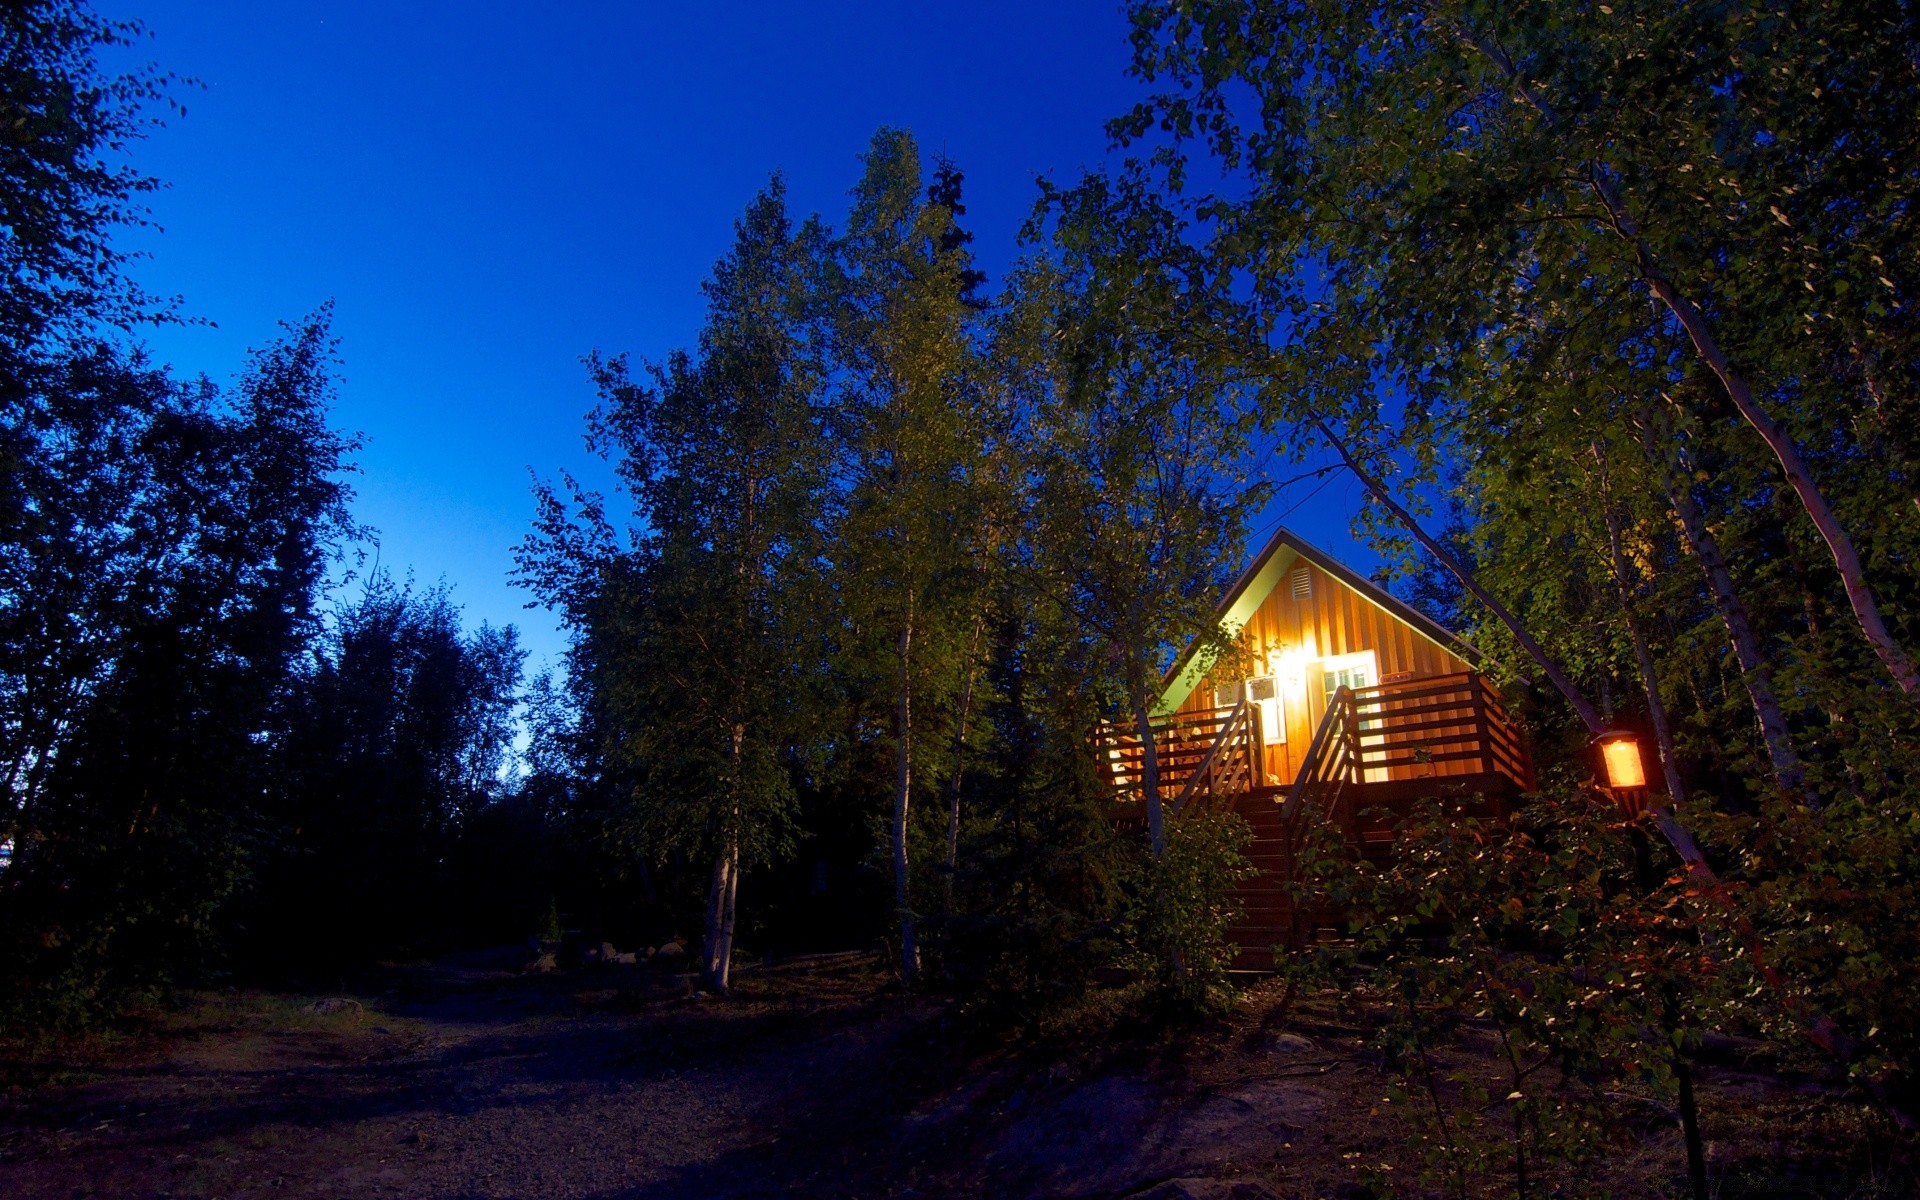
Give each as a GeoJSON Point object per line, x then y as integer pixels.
{"type": "Point", "coordinates": [155, 601]}
{"type": "Point", "coordinates": [1139, 463]}
{"type": "Point", "coordinates": [1139, 478]}
{"type": "Point", "coordinates": [1432, 184]}
{"type": "Point", "coordinates": [909, 547]}
{"type": "Point", "coordinates": [397, 743]}
{"type": "Point", "coordinates": [65, 188]}
{"type": "Point", "coordinates": [695, 634]}
{"type": "Point", "coordinates": [1481, 244]}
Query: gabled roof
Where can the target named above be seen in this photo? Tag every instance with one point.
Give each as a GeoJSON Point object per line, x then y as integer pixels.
{"type": "Point", "coordinates": [1257, 582]}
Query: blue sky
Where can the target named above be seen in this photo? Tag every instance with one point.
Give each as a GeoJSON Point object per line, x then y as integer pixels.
{"type": "Point", "coordinates": [488, 191]}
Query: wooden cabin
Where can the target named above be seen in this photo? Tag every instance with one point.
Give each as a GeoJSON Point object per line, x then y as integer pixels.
{"type": "Point", "coordinates": [1342, 705]}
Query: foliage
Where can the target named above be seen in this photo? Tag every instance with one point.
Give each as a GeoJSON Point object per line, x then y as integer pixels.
{"type": "Point", "coordinates": [1180, 907]}
{"type": "Point", "coordinates": [156, 600]}
{"type": "Point", "coordinates": [911, 542]}
{"type": "Point", "coordinates": [1552, 943]}
{"type": "Point", "coordinates": [695, 635]}
{"type": "Point", "coordinates": [1039, 877]}
{"type": "Point", "coordinates": [1603, 287]}
{"type": "Point", "coordinates": [395, 752]}
{"type": "Point", "coordinates": [65, 185]}
{"type": "Point", "coordinates": [1136, 457]}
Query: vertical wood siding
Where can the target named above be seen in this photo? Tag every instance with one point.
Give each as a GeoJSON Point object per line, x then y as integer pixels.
{"type": "Point", "coordinates": [1333, 620]}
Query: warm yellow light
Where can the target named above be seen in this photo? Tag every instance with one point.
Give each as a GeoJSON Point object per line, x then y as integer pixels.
{"type": "Point", "coordinates": [1292, 670]}
{"type": "Point", "coordinates": [1624, 769]}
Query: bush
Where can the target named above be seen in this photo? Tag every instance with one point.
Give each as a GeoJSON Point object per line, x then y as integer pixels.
{"type": "Point", "coordinates": [1181, 907]}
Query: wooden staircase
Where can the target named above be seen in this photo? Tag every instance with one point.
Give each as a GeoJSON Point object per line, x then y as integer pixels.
{"type": "Point", "coordinates": [1376, 753]}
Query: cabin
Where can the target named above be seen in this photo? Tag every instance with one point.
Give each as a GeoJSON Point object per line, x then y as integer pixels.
{"type": "Point", "coordinates": [1342, 705]}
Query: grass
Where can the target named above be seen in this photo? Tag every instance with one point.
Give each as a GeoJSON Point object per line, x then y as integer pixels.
{"type": "Point", "coordinates": [146, 1033]}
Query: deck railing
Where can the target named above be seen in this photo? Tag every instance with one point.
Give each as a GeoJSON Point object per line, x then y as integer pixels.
{"type": "Point", "coordinates": [1207, 753]}
{"type": "Point", "coordinates": [1328, 766]}
{"type": "Point", "coordinates": [1432, 728]}
{"type": "Point", "coordinates": [1443, 725]}
{"type": "Point", "coordinates": [1448, 725]}
{"type": "Point", "coordinates": [1231, 767]}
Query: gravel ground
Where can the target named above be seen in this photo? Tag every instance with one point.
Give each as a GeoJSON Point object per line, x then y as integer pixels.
{"type": "Point", "coordinates": [815, 1079]}
{"type": "Point", "coordinates": [469, 1083]}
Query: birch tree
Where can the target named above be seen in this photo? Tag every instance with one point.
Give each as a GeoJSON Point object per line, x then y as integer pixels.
{"type": "Point", "coordinates": [693, 629]}
{"type": "Point", "coordinates": [1453, 178]}
{"type": "Point", "coordinates": [908, 546]}
{"type": "Point", "coordinates": [1138, 465]}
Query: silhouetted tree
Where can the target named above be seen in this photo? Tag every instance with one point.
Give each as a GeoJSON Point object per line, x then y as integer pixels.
{"type": "Point", "coordinates": [397, 744]}
{"type": "Point", "coordinates": [153, 611]}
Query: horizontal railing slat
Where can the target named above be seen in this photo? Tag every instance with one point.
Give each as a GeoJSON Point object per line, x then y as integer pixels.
{"type": "Point", "coordinates": [1442, 720]}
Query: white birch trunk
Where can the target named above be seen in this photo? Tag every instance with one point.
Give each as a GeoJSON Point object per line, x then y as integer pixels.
{"type": "Point", "coordinates": [902, 794]}
{"type": "Point", "coordinates": [959, 768]}
{"type": "Point", "coordinates": [1754, 672]}
{"type": "Point", "coordinates": [1588, 714]}
{"type": "Point", "coordinates": [1707, 349]}
{"type": "Point", "coordinates": [1642, 654]}
{"type": "Point", "coordinates": [716, 966]}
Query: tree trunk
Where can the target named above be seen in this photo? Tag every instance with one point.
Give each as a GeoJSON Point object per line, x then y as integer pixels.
{"type": "Point", "coordinates": [902, 788]}
{"type": "Point", "coordinates": [1642, 654]}
{"type": "Point", "coordinates": [1589, 715]}
{"type": "Point", "coordinates": [959, 770]}
{"type": "Point", "coordinates": [1819, 1027]}
{"type": "Point", "coordinates": [1149, 761]}
{"type": "Point", "coordinates": [1707, 348]}
{"type": "Point", "coordinates": [1690, 1127]}
{"type": "Point", "coordinates": [1852, 575]}
{"type": "Point", "coordinates": [1754, 672]}
{"type": "Point", "coordinates": [716, 965]}
{"type": "Point", "coordinates": [1150, 784]}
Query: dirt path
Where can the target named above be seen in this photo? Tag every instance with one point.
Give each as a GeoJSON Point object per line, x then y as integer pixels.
{"type": "Point", "coordinates": [476, 1083]}
{"type": "Point", "coordinates": [813, 1080]}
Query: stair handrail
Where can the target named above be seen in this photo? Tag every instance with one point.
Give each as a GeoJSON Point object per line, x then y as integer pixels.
{"type": "Point", "coordinates": [1240, 715]}
{"type": "Point", "coordinates": [1332, 731]}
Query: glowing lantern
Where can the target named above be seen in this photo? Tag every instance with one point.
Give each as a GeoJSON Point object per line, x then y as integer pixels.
{"type": "Point", "coordinates": [1622, 755]}
{"type": "Point", "coordinates": [1626, 770]}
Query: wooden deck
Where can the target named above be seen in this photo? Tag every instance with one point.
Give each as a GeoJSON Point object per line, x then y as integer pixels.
{"type": "Point", "coordinates": [1376, 753]}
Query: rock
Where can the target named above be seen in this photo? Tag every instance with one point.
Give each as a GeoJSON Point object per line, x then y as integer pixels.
{"type": "Point", "coordinates": [1291, 1045]}
{"type": "Point", "coordinates": [335, 1004]}
{"type": "Point", "coordinates": [1208, 1189]}
{"type": "Point", "coordinates": [607, 952]}
{"type": "Point", "coordinates": [1093, 1139]}
{"type": "Point", "coordinates": [623, 960]}
{"type": "Point", "coordinates": [543, 965]}
{"type": "Point", "coordinates": [670, 953]}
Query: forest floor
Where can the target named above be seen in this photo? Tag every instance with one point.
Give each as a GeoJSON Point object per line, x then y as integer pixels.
{"type": "Point", "coordinates": [815, 1078]}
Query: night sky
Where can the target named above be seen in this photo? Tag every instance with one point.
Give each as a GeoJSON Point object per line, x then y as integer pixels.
{"type": "Point", "coordinates": [489, 191]}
